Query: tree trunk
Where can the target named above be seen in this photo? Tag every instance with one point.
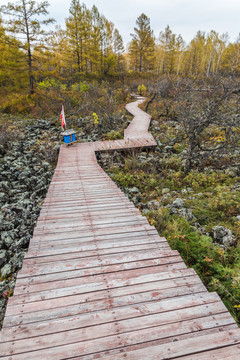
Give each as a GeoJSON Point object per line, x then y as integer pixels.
{"type": "Point", "coordinates": [30, 73]}
{"type": "Point", "coordinates": [140, 63]}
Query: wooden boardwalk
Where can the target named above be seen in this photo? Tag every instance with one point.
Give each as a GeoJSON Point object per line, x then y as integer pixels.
{"type": "Point", "coordinates": [98, 281]}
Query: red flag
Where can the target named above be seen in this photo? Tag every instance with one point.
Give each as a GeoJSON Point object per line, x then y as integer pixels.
{"type": "Point", "coordinates": [63, 118]}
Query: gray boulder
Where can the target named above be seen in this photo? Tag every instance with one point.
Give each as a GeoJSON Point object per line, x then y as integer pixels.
{"type": "Point", "coordinates": [134, 190]}
{"type": "Point", "coordinates": [6, 238]}
{"type": "Point", "coordinates": [6, 270]}
{"type": "Point", "coordinates": [165, 191]}
{"type": "Point", "coordinates": [187, 214]}
{"type": "Point", "coordinates": [154, 204]}
{"type": "Point", "coordinates": [178, 203]}
{"type": "Point", "coordinates": [222, 236]}
{"type": "Point", "coordinates": [3, 257]}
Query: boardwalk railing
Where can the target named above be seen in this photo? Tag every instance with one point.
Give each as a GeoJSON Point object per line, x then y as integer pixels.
{"type": "Point", "coordinates": [98, 282]}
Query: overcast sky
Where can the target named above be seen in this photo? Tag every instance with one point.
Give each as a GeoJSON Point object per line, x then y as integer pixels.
{"type": "Point", "coordinates": [184, 16]}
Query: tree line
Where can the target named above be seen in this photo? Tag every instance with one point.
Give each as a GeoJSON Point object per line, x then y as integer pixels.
{"type": "Point", "coordinates": [90, 45]}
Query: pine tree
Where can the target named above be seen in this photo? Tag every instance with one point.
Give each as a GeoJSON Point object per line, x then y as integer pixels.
{"type": "Point", "coordinates": [22, 19]}
{"type": "Point", "coordinates": [142, 46]}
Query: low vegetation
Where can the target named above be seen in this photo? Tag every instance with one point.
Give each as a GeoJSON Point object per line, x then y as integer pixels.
{"type": "Point", "coordinates": [196, 208]}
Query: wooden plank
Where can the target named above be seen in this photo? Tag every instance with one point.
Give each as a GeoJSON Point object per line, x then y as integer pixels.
{"type": "Point", "coordinates": [96, 207]}
{"type": "Point", "coordinates": [92, 261]}
{"type": "Point", "coordinates": [58, 282]}
{"type": "Point", "coordinates": [93, 250]}
{"type": "Point", "coordinates": [78, 215]}
{"type": "Point", "coordinates": [100, 242]}
{"type": "Point", "coordinates": [125, 311]}
{"type": "Point", "coordinates": [121, 212]}
{"type": "Point", "coordinates": [50, 227]}
{"type": "Point", "coordinates": [75, 244]}
{"type": "Point", "coordinates": [90, 203]}
{"type": "Point", "coordinates": [95, 197]}
{"type": "Point", "coordinates": [32, 314]}
{"type": "Point", "coordinates": [165, 351]}
{"type": "Point", "coordinates": [158, 290]}
{"type": "Point", "coordinates": [75, 241]}
{"type": "Point", "coordinates": [71, 234]}
{"type": "Point", "coordinates": [189, 346]}
{"type": "Point", "coordinates": [83, 210]}
{"type": "Point", "coordinates": [160, 341]}
{"type": "Point", "coordinates": [227, 353]}
{"type": "Point", "coordinates": [95, 220]}
{"type": "Point", "coordinates": [167, 280]}
{"type": "Point", "coordinates": [87, 329]}
{"type": "Point", "coordinates": [143, 266]}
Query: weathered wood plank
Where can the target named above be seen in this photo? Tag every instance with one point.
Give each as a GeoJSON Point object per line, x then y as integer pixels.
{"type": "Point", "coordinates": [85, 319]}
{"type": "Point", "coordinates": [167, 280]}
{"type": "Point", "coordinates": [165, 351]}
{"type": "Point", "coordinates": [227, 353]}
{"type": "Point", "coordinates": [143, 266]}
{"type": "Point", "coordinates": [189, 346]}
{"type": "Point", "coordinates": [30, 315]}
{"type": "Point", "coordinates": [158, 290]}
{"type": "Point", "coordinates": [84, 332]}
{"type": "Point", "coordinates": [96, 242]}
{"type": "Point", "coordinates": [58, 282]}
{"type": "Point", "coordinates": [93, 249]}
{"type": "Point", "coordinates": [93, 261]}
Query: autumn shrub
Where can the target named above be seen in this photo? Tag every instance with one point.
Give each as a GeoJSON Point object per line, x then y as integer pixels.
{"type": "Point", "coordinates": [114, 135]}
{"type": "Point", "coordinates": [204, 180]}
{"type": "Point", "coordinates": [51, 83]}
{"type": "Point", "coordinates": [142, 89]}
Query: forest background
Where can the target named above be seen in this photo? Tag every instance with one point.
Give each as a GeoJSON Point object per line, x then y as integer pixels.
{"type": "Point", "coordinates": [34, 61]}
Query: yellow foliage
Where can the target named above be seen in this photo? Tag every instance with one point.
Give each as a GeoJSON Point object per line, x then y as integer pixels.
{"type": "Point", "coordinates": [95, 117]}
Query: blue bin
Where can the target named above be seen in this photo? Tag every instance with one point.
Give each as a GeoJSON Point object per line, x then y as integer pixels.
{"type": "Point", "coordinates": [69, 136]}
{"type": "Point", "coordinates": [67, 139]}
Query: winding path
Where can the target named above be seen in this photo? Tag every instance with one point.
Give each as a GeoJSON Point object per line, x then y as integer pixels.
{"type": "Point", "coordinates": [98, 282]}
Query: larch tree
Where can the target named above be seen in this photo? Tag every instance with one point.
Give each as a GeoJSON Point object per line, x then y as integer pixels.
{"type": "Point", "coordinates": [79, 26]}
{"type": "Point", "coordinates": [95, 43]}
{"type": "Point", "coordinates": [92, 40]}
{"type": "Point", "coordinates": [118, 49]}
{"type": "Point", "coordinates": [230, 61]}
{"type": "Point", "coordinates": [11, 61]}
{"type": "Point", "coordinates": [109, 59]}
{"type": "Point", "coordinates": [142, 46]}
{"type": "Point", "coordinates": [22, 20]}
{"type": "Point", "coordinates": [195, 56]}
{"type": "Point", "coordinates": [169, 52]}
{"type": "Point", "coordinates": [74, 25]}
